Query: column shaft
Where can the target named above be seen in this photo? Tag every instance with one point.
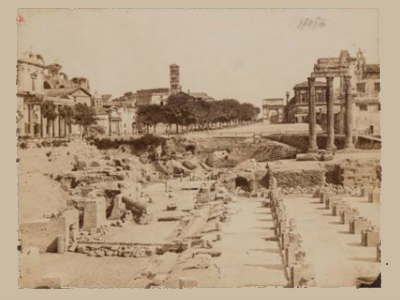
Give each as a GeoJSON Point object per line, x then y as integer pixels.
{"type": "Point", "coordinates": [348, 114]}
{"type": "Point", "coordinates": [312, 117]}
{"type": "Point", "coordinates": [330, 115]}
{"type": "Point", "coordinates": [56, 123]}
{"type": "Point", "coordinates": [31, 121]}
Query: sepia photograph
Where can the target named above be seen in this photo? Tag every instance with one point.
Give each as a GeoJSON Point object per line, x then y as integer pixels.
{"type": "Point", "coordinates": [198, 148]}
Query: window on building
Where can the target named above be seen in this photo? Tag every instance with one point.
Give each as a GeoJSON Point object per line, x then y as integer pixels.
{"type": "Point", "coordinates": [303, 98]}
{"type": "Point", "coordinates": [361, 87]}
{"type": "Point", "coordinates": [320, 97]}
{"type": "Point", "coordinates": [377, 86]}
{"type": "Point", "coordinates": [33, 77]}
{"type": "Point", "coordinates": [363, 107]}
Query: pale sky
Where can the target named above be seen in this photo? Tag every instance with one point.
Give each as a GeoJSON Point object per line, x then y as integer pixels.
{"type": "Point", "coordinates": [244, 54]}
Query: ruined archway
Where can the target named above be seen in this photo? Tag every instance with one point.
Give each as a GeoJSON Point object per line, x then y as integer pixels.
{"type": "Point", "coordinates": [243, 183]}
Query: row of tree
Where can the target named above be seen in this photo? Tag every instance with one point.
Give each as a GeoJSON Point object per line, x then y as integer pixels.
{"type": "Point", "coordinates": [80, 114]}
{"type": "Point", "coordinates": [182, 110]}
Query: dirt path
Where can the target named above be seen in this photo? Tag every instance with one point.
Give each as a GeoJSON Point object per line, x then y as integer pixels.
{"type": "Point", "coordinates": [250, 251]}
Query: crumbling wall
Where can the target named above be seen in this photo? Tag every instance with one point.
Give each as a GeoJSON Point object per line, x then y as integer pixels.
{"type": "Point", "coordinates": [301, 141]}
{"type": "Point", "coordinates": [43, 234]}
{"type": "Point", "coordinates": [360, 172]}
{"type": "Point", "coordinates": [287, 178]}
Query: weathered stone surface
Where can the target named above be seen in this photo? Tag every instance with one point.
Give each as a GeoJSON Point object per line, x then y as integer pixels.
{"type": "Point", "coordinates": [222, 159]}
{"type": "Point", "coordinates": [189, 164]}
{"type": "Point", "coordinates": [271, 150]}
{"type": "Point", "coordinates": [187, 283]}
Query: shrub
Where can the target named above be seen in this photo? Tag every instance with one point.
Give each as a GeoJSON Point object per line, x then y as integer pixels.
{"type": "Point", "coordinates": [138, 145]}
{"type": "Point", "coordinates": [23, 145]}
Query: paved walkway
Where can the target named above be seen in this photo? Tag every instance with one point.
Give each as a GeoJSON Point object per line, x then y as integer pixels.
{"type": "Point", "coordinates": [338, 256]}
{"type": "Point", "coordinates": [250, 251]}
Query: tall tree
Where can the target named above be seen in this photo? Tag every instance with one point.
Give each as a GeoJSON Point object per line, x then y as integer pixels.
{"type": "Point", "coordinates": [67, 113]}
{"type": "Point", "coordinates": [150, 115]}
{"type": "Point", "coordinates": [84, 116]}
{"type": "Point", "coordinates": [48, 109]}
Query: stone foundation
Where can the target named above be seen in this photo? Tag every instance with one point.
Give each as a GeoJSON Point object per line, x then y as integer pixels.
{"type": "Point", "coordinates": [43, 234]}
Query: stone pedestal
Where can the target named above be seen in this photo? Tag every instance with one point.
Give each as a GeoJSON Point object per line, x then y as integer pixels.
{"type": "Point", "coordinates": [374, 196]}
{"type": "Point", "coordinates": [358, 225]}
{"type": "Point", "coordinates": [332, 201]}
{"type": "Point", "coordinates": [61, 244]}
{"type": "Point", "coordinates": [302, 275]}
{"type": "Point", "coordinates": [365, 191]}
{"type": "Point", "coordinates": [323, 196]}
{"type": "Point", "coordinates": [339, 208]}
{"type": "Point", "coordinates": [281, 227]}
{"type": "Point", "coordinates": [290, 254]}
{"type": "Point", "coordinates": [347, 215]}
{"type": "Point", "coordinates": [370, 238]}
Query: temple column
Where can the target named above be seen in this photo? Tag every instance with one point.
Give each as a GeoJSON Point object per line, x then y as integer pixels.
{"type": "Point", "coordinates": [311, 117]}
{"type": "Point", "coordinates": [44, 127]}
{"type": "Point", "coordinates": [330, 115]}
{"type": "Point", "coordinates": [62, 127]}
{"type": "Point", "coordinates": [348, 114]}
{"type": "Point", "coordinates": [341, 119]}
{"type": "Point", "coordinates": [57, 125]}
{"type": "Point", "coordinates": [31, 122]}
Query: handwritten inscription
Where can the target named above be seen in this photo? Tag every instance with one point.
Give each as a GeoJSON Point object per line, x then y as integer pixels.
{"type": "Point", "coordinates": [312, 23]}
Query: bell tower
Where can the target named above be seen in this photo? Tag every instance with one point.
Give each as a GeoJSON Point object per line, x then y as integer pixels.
{"type": "Point", "coordinates": [174, 79]}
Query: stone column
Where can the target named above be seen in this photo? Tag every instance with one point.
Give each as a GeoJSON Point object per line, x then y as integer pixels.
{"type": "Point", "coordinates": [44, 127]}
{"type": "Point", "coordinates": [341, 119]}
{"type": "Point", "coordinates": [57, 125]}
{"type": "Point", "coordinates": [311, 117]}
{"type": "Point", "coordinates": [348, 114]}
{"type": "Point", "coordinates": [62, 127]}
{"type": "Point", "coordinates": [330, 145]}
{"type": "Point", "coordinates": [31, 122]}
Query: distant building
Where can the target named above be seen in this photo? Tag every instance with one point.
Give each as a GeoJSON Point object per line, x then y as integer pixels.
{"type": "Point", "coordinates": [365, 87]}
{"type": "Point", "coordinates": [367, 112]}
{"type": "Point", "coordinates": [296, 110]}
{"type": "Point", "coordinates": [128, 99]}
{"type": "Point", "coordinates": [201, 96]}
{"type": "Point", "coordinates": [145, 97]}
{"type": "Point", "coordinates": [174, 79]}
{"type": "Point", "coordinates": [273, 110]}
{"type": "Point", "coordinates": [159, 98]}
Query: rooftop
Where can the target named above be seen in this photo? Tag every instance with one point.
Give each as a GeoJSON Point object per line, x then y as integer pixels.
{"type": "Point", "coordinates": [371, 69]}
{"type": "Point", "coordinates": [64, 92]}
{"type": "Point", "coordinates": [304, 84]}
